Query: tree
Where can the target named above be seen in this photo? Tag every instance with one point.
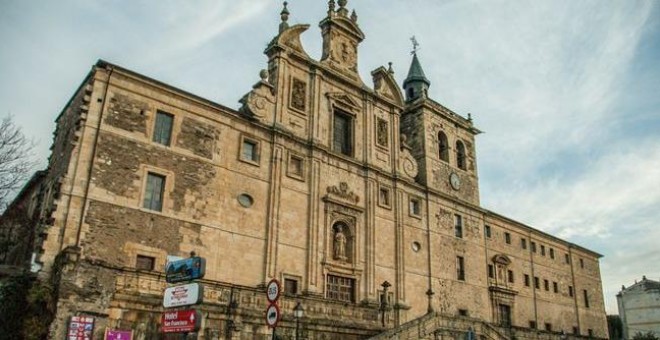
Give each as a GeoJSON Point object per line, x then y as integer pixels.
{"type": "Point", "coordinates": [15, 159]}
{"type": "Point", "coordinates": [645, 336]}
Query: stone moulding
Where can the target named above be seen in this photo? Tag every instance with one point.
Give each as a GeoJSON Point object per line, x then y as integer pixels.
{"type": "Point", "coordinates": [342, 191]}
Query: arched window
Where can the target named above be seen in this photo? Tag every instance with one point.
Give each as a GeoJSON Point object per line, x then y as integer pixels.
{"type": "Point", "coordinates": [443, 147]}
{"type": "Point", "coordinates": [460, 155]}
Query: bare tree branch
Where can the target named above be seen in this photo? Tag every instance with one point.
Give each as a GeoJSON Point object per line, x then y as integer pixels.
{"type": "Point", "coordinates": [16, 163]}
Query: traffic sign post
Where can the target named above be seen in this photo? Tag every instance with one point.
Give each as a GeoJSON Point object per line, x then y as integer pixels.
{"type": "Point", "coordinates": [273, 291]}
{"type": "Point", "coordinates": [272, 315]}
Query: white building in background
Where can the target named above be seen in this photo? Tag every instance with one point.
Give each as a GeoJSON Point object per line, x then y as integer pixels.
{"type": "Point", "coordinates": [639, 307]}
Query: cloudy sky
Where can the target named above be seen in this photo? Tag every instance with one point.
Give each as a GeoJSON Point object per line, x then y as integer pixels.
{"type": "Point", "coordinates": [567, 92]}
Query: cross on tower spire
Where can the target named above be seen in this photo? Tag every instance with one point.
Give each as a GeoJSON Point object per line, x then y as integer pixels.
{"type": "Point", "coordinates": [415, 45]}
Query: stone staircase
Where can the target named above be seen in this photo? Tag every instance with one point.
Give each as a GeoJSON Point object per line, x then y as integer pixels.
{"type": "Point", "coordinates": [439, 326]}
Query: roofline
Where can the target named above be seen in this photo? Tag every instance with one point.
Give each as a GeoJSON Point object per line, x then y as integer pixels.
{"type": "Point", "coordinates": [555, 238]}
{"type": "Point", "coordinates": [34, 179]}
{"type": "Point", "coordinates": [103, 64]}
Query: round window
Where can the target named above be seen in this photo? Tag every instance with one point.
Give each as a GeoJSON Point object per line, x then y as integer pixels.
{"type": "Point", "coordinates": [416, 246]}
{"type": "Point", "coordinates": [245, 200]}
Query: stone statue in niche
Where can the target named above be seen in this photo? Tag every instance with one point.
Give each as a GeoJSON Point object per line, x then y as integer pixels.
{"type": "Point", "coordinates": [298, 94]}
{"type": "Point", "coordinates": [381, 132]}
{"type": "Point", "coordinates": [340, 243]}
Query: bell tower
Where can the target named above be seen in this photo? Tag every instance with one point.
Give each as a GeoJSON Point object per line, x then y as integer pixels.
{"type": "Point", "coordinates": [442, 141]}
{"type": "Point", "coordinates": [341, 37]}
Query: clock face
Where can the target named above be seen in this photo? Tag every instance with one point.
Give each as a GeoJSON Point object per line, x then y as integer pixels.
{"type": "Point", "coordinates": [455, 181]}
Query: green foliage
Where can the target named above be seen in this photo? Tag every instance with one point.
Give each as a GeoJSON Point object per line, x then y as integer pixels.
{"type": "Point", "coordinates": [27, 308]}
{"type": "Point", "coordinates": [645, 336]}
{"type": "Point", "coordinates": [13, 306]}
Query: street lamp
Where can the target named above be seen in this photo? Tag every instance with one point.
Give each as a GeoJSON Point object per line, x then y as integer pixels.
{"type": "Point", "coordinates": [298, 313]}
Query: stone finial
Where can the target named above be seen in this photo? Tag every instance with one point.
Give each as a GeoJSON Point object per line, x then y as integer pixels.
{"type": "Point", "coordinates": [390, 70]}
{"type": "Point", "coordinates": [284, 15]}
{"type": "Point", "coordinates": [643, 277]}
{"type": "Point", "coordinates": [623, 287]}
{"type": "Point", "coordinates": [342, 8]}
{"type": "Point", "coordinates": [263, 74]}
{"type": "Point", "coordinates": [331, 7]}
{"type": "Point", "coordinates": [469, 117]}
{"type": "Point", "coordinates": [354, 16]}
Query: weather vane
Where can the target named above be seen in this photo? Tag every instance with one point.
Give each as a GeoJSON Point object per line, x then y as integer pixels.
{"type": "Point", "coordinates": [415, 45]}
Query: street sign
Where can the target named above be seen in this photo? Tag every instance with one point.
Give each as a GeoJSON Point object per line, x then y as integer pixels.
{"type": "Point", "coordinates": [80, 328]}
{"type": "Point", "coordinates": [272, 315]}
{"type": "Point", "coordinates": [115, 334]}
{"type": "Point", "coordinates": [184, 295]}
{"type": "Point", "coordinates": [181, 321]}
{"type": "Point", "coordinates": [273, 290]}
{"type": "Point", "coordinates": [185, 270]}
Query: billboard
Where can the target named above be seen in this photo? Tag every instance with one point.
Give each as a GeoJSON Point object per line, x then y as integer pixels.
{"type": "Point", "coordinates": [185, 270]}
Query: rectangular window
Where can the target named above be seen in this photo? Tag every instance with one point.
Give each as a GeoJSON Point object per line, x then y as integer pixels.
{"type": "Point", "coordinates": [537, 282]}
{"type": "Point", "coordinates": [250, 151]}
{"type": "Point", "coordinates": [542, 250]}
{"type": "Point", "coordinates": [415, 207]}
{"type": "Point", "coordinates": [576, 331]}
{"type": "Point", "coordinates": [581, 263]}
{"type": "Point", "coordinates": [586, 298]}
{"type": "Point", "coordinates": [510, 272]}
{"type": "Point", "coordinates": [487, 231]}
{"type": "Point", "coordinates": [533, 246]}
{"type": "Point", "coordinates": [590, 332]}
{"type": "Point", "coordinates": [458, 226]}
{"type": "Point", "coordinates": [341, 288]}
{"type": "Point", "coordinates": [523, 243]}
{"type": "Point", "coordinates": [526, 280]}
{"type": "Point", "coordinates": [144, 262]}
{"type": "Point", "coordinates": [462, 312]}
{"type": "Point", "coordinates": [507, 238]}
{"type": "Point", "coordinates": [552, 253]}
{"type": "Point", "coordinates": [460, 268]}
{"type": "Point", "coordinates": [384, 197]}
{"type": "Point", "coordinates": [567, 259]}
{"type": "Point", "coordinates": [570, 291]}
{"type": "Point", "coordinates": [153, 193]}
{"type": "Point", "coordinates": [296, 165]}
{"type": "Point", "coordinates": [163, 128]}
{"type": "Point", "coordinates": [546, 284]}
{"type": "Point", "coordinates": [555, 287]}
{"type": "Point", "coordinates": [548, 327]}
{"type": "Point", "coordinates": [290, 286]}
{"type": "Point", "coordinates": [532, 324]}
{"type": "Point", "coordinates": [343, 134]}
{"type": "Point", "coordinates": [491, 271]}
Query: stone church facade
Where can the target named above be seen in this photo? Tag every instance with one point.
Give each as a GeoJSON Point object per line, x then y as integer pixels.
{"type": "Point", "coordinates": [363, 200]}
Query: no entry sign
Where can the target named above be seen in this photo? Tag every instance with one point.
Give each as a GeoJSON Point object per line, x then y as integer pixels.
{"type": "Point", "coordinates": [182, 321]}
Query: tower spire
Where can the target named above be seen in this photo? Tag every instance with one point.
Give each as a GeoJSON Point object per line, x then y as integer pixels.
{"type": "Point", "coordinates": [416, 84]}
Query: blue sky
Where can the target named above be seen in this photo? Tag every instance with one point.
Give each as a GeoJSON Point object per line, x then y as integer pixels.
{"type": "Point", "coordinates": [567, 92]}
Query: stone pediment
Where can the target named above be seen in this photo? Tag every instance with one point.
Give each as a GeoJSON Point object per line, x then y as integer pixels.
{"type": "Point", "coordinates": [385, 85]}
{"type": "Point", "coordinates": [501, 259]}
{"type": "Point", "coordinates": [344, 100]}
